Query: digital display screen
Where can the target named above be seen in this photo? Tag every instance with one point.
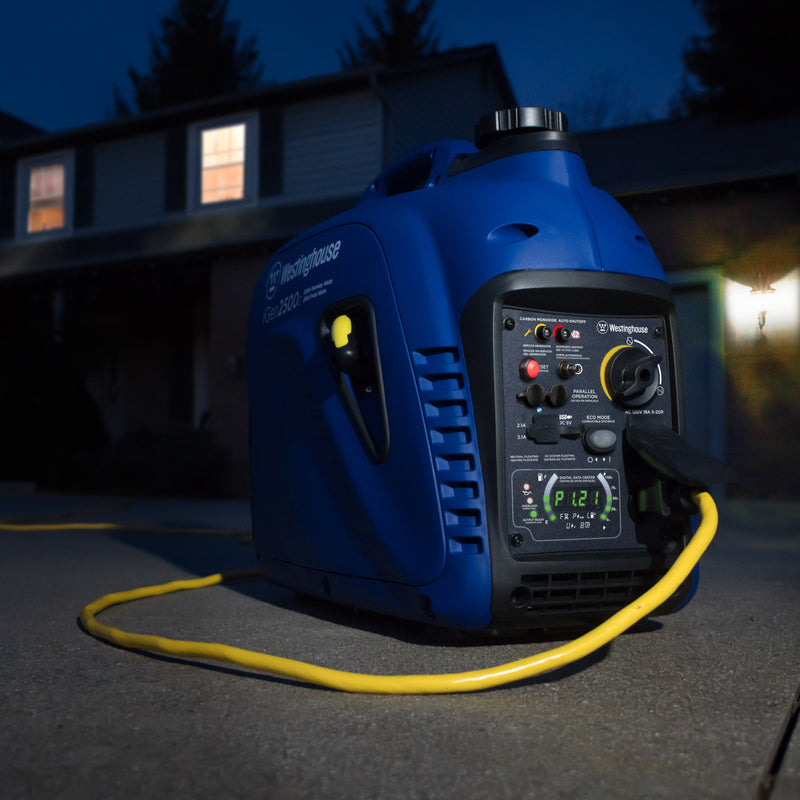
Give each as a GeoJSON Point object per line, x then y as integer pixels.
{"type": "Point", "coordinates": [592, 498]}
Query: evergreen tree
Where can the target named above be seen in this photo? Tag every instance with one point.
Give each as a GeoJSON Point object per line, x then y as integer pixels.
{"type": "Point", "coordinates": [197, 56]}
{"type": "Point", "coordinates": [747, 66]}
{"type": "Point", "coordinates": [400, 33]}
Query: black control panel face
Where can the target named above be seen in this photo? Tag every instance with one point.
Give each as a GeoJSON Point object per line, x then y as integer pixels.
{"type": "Point", "coordinates": [569, 384]}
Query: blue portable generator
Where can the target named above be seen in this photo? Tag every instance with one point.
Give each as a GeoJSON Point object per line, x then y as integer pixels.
{"type": "Point", "coordinates": [464, 397]}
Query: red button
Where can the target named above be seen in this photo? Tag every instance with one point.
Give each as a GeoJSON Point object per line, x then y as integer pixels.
{"type": "Point", "coordinates": [529, 368]}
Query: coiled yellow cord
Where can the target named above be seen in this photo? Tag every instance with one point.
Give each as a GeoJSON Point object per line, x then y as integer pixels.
{"type": "Point", "coordinates": [405, 684]}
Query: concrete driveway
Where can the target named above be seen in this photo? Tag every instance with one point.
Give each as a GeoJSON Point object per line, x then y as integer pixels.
{"type": "Point", "coordinates": [692, 706]}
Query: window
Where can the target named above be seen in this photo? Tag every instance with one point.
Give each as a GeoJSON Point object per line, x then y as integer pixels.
{"type": "Point", "coordinates": [44, 197]}
{"type": "Point", "coordinates": [223, 152]}
{"type": "Point", "coordinates": [222, 158]}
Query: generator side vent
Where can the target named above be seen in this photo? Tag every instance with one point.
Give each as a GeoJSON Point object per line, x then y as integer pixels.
{"type": "Point", "coordinates": [446, 403]}
{"type": "Point", "coordinates": [583, 591]}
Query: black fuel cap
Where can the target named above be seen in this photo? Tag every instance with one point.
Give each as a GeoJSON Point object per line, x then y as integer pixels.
{"type": "Point", "coordinates": [509, 121]}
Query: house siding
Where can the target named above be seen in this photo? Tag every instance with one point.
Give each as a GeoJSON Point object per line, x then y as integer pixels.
{"type": "Point", "coordinates": [332, 146]}
{"type": "Point", "coordinates": [129, 181]}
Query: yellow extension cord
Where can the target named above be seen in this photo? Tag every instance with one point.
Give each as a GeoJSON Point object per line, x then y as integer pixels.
{"type": "Point", "coordinates": [104, 526]}
{"type": "Point", "coordinates": [405, 684]}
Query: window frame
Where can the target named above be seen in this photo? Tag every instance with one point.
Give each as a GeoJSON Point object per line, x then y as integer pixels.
{"type": "Point", "coordinates": [194, 170]}
{"type": "Point", "coordinates": [25, 168]}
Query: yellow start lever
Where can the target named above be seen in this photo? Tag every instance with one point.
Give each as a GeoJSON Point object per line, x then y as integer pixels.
{"type": "Point", "coordinates": [341, 328]}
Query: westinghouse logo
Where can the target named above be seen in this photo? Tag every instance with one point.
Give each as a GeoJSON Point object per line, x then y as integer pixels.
{"type": "Point", "coordinates": [274, 280]}
{"type": "Point", "coordinates": [281, 274]}
{"type": "Point", "coordinates": [627, 328]}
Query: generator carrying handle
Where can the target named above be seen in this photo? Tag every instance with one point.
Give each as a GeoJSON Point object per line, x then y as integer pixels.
{"type": "Point", "coordinates": [418, 170]}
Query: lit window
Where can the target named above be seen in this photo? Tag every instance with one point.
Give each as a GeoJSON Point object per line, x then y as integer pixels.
{"type": "Point", "coordinates": [223, 164]}
{"type": "Point", "coordinates": [222, 159]}
{"type": "Point", "coordinates": [46, 198]}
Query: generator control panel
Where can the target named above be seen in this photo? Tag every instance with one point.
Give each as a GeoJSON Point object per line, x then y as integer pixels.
{"type": "Point", "coordinates": [570, 383]}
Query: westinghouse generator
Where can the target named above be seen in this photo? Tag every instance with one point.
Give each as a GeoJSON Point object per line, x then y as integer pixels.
{"type": "Point", "coordinates": [464, 394]}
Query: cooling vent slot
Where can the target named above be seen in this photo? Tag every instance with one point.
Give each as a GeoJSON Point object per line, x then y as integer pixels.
{"type": "Point", "coordinates": [582, 591]}
{"type": "Point", "coordinates": [446, 403]}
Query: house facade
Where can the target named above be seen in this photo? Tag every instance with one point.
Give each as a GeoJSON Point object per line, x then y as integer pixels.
{"type": "Point", "coordinates": [129, 252]}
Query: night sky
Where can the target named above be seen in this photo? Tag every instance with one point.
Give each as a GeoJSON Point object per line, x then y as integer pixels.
{"type": "Point", "coordinates": [59, 61]}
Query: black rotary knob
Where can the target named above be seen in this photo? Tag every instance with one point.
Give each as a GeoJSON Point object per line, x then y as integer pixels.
{"type": "Point", "coordinates": [557, 395]}
{"type": "Point", "coordinates": [533, 395]}
{"type": "Point", "coordinates": [632, 376]}
{"type": "Point", "coordinates": [518, 120]}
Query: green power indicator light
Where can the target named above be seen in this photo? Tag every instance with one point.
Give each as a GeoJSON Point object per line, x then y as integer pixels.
{"type": "Point", "coordinates": [533, 515]}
